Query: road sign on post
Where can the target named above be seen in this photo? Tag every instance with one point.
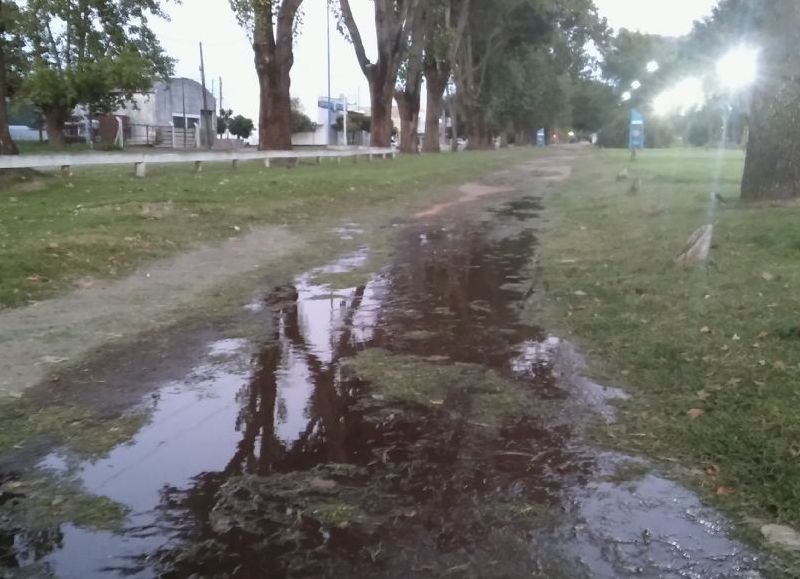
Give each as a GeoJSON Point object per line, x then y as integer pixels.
{"type": "Point", "coordinates": [540, 138]}
{"type": "Point", "coordinates": [636, 134]}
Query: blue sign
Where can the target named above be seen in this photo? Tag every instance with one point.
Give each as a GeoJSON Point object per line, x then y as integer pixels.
{"type": "Point", "coordinates": [336, 105]}
{"type": "Point", "coordinates": [636, 135]}
{"type": "Point", "coordinates": [540, 140]}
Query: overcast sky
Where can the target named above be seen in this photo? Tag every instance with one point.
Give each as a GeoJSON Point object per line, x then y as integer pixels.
{"type": "Point", "coordinates": [228, 53]}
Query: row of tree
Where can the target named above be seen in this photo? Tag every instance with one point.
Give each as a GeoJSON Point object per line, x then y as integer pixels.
{"type": "Point", "coordinates": [509, 63]}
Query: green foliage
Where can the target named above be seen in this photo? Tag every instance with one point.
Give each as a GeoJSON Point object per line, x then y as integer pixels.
{"type": "Point", "coordinates": [594, 103]}
{"type": "Point", "coordinates": [356, 122]}
{"type": "Point", "coordinates": [527, 91]}
{"type": "Point", "coordinates": [241, 127]}
{"type": "Point", "coordinates": [300, 121]}
{"type": "Point", "coordinates": [99, 52]}
{"type": "Point", "coordinates": [223, 120]}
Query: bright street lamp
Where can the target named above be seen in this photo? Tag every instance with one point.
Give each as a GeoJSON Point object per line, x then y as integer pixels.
{"type": "Point", "coordinates": [636, 85]}
{"type": "Point", "coordinates": [626, 96]}
{"type": "Point", "coordinates": [738, 68]}
{"type": "Point", "coordinates": [653, 66]}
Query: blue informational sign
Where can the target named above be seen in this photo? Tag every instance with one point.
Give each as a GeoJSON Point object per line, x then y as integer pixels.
{"type": "Point", "coordinates": [636, 135]}
{"type": "Point", "coordinates": [336, 105]}
{"type": "Point", "coordinates": [540, 140]}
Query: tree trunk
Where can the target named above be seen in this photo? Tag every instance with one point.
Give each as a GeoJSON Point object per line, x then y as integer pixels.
{"type": "Point", "coordinates": [274, 58]}
{"type": "Point", "coordinates": [54, 119]}
{"type": "Point", "coordinates": [408, 105]}
{"type": "Point", "coordinates": [7, 146]}
{"type": "Point", "coordinates": [436, 81]}
{"type": "Point", "coordinates": [478, 136]}
{"type": "Point", "coordinates": [381, 93]}
{"type": "Point", "coordinates": [275, 110]}
{"type": "Point", "coordinates": [772, 166]}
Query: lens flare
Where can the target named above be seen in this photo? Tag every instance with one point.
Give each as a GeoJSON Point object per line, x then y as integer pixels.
{"type": "Point", "coordinates": [738, 68]}
{"type": "Point", "coordinates": [686, 96]}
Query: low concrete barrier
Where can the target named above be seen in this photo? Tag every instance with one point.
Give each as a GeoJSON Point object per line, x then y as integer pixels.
{"type": "Point", "coordinates": [141, 160]}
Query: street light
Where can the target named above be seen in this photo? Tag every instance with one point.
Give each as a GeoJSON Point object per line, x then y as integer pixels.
{"type": "Point", "coordinates": [738, 68]}
{"type": "Point", "coordinates": [636, 85]}
{"type": "Point", "coordinates": [653, 66]}
{"type": "Point", "coordinates": [626, 96]}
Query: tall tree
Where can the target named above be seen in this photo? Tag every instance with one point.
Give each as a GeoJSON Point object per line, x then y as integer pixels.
{"type": "Point", "coordinates": [9, 48]}
{"type": "Point", "coordinates": [408, 93]}
{"type": "Point", "coordinates": [393, 23]}
{"type": "Point", "coordinates": [443, 34]}
{"type": "Point", "coordinates": [94, 52]}
{"type": "Point", "coordinates": [772, 165]}
{"type": "Point", "coordinates": [272, 25]}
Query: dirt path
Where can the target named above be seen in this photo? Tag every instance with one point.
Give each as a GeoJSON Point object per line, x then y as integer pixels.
{"type": "Point", "coordinates": [37, 339]}
{"type": "Point", "coordinates": [412, 422]}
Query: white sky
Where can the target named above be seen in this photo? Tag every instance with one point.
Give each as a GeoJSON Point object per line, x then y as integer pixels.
{"type": "Point", "coordinates": [228, 52]}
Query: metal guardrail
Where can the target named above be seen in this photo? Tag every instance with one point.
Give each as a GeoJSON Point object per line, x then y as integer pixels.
{"type": "Point", "coordinates": [140, 160]}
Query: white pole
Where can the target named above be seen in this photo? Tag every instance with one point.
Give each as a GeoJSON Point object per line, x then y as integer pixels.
{"type": "Point", "coordinates": [344, 119]}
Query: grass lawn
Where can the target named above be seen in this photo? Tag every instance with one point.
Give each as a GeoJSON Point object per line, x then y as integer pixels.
{"type": "Point", "coordinates": [103, 222]}
{"type": "Point", "coordinates": [710, 355]}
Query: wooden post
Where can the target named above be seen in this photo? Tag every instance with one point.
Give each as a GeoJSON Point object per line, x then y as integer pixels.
{"type": "Point", "coordinates": [66, 170]}
{"type": "Point", "coordinates": [235, 163]}
{"type": "Point", "coordinates": [198, 166]}
{"type": "Point", "coordinates": [318, 160]}
{"type": "Point", "coordinates": [141, 170]}
{"type": "Point", "coordinates": [267, 163]}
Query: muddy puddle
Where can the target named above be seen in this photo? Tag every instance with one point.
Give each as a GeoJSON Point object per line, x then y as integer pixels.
{"type": "Point", "coordinates": [408, 425]}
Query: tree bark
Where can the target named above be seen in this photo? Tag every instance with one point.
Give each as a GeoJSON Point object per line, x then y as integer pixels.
{"type": "Point", "coordinates": [436, 81]}
{"type": "Point", "coordinates": [274, 58]}
{"type": "Point", "coordinates": [408, 105]}
{"type": "Point", "coordinates": [7, 145]}
{"type": "Point", "coordinates": [54, 120]}
{"type": "Point", "coordinates": [381, 92]}
{"type": "Point", "coordinates": [772, 165]}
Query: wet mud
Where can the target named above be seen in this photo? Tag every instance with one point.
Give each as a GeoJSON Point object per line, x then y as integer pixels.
{"type": "Point", "coordinates": [412, 426]}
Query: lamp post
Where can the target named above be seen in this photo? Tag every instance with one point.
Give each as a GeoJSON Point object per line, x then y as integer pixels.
{"type": "Point", "coordinates": [330, 103]}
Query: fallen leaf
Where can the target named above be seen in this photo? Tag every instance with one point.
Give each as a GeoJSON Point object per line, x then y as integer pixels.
{"type": "Point", "coordinates": [725, 348]}
{"type": "Point", "coordinates": [767, 276]}
{"type": "Point", "coordinates": [736, 338]}
{"type": "Point", "coordinates": [703, 395]}
{"type": "Point", "coordinates": [779, 365]}
{"type": "Point", "coordinates": [734, 381]}
{"type": "Point", "coordinates": [763, 335]}
{"type": "Point", "coordinates": [705, 330]}
{"type": "Point", "coordinates": [695, 413]}
{"type": "Point", "coordinates": [725, 490]}
{"type": "Point", "coordinates": [712, 470]}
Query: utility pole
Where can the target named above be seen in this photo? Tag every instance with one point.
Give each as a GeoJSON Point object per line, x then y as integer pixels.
{"type": "Point", "coordinates": [183, 103]}
{"type": "Point", "coordinates": [330, 103]}
{"type": "Point", "coordinates": [221, 108]}
{"type": "Point", "coordinates": [205, 110]}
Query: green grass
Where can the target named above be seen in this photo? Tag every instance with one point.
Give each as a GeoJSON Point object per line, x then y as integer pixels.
{"type": "Point", "coordinates": [103, 222]}
{"type": "Point", "coordinates": [723, 339]}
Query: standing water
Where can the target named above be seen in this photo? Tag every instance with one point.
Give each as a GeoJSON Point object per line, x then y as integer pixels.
{"type": "Point", "coordinates": [412, 425]}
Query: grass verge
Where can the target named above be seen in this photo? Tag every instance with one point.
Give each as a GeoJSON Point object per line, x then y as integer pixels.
{"type": "Point", "coordinates": [711, 355]}
{"type": "Point", "coordinates": [103, 222]}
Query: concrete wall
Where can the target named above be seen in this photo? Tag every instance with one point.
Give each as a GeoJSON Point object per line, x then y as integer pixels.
{"type": "Point", "coordinates": [171, 97]}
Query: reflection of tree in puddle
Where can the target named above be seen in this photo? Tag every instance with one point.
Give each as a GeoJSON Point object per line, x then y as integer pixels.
{"type": "Point", "coordinates": [446, 485]}
{"type": "Point", "coordinates": [324, 438]}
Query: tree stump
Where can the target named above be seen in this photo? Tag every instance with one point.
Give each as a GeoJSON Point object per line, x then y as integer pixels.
{"type": "Point", "coordinates": [697, 247]}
